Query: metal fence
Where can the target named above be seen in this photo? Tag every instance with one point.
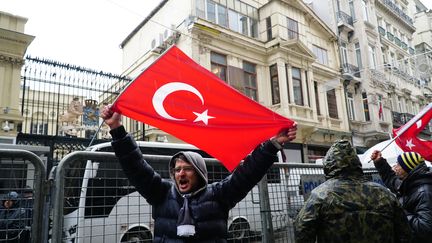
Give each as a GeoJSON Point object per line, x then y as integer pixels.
{"type": "Point", "coordinates": [22, 184]}
{"type": "Point", "coordinates": [94, 202]}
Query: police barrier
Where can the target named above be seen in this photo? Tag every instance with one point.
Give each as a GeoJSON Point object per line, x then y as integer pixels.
{"type": "Point", "coordinates": [22, 184]}
{"type": "Point", "coordinates": [94, 202]}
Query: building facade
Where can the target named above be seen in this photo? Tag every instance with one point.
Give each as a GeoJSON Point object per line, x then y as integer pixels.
{"type": "Point", "coordinates": [13, 44]}
{"type": "Point", "coordinates": [278, 53]}
{"type": "Point", "coordinates": [380, 64]}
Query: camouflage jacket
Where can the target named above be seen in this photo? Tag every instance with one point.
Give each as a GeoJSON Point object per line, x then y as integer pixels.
{"type": "Point", "coordinates": [349, 208]}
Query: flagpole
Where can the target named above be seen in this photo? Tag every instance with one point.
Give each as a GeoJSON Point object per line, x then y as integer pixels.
{"type": "Point", "coordinates": [408, 125]}
{"type": "Point", "coordinates": [124, 89]}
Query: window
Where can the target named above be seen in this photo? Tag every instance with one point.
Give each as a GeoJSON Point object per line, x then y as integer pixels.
{"type": "Point", "coordinates": [399, 104]}
{"type": "Point", "coordinates": [365, 107]}
{"type": "Point", "coordinates": [332, 105]}
{"type": "Point", "coordinates": [269, 29]}
{"type": "Point", "coordinates": [317, 98]}
{"type": "Point", "coordinates": [239, 16]}
{"type": "Point", "coordinates": [233, 20]}
{"type": "Point", "coordinates": [39, 128]}
{"type": "Point", "coordinates": [380, 108]}
{"type": "Point", "coordinates": [292, 29]}
{"type": "Point", "coordinates": [372, 57]}
{"type": "Point", "coordinates": [297, 86]}
{"type": "Point", "coordinates": [222, 18]}
{"type": "Point", "coordinates": [351, 7]}
{"type": "Point", "coordinates": [358, 55]}
{"type": "Point", "coordinates": [384, 54]}
{"type": "Point", "coordinates": [365, 10]}
{"type": "Point", "coordinates": [219, 65]}
{"type": "Point", "coordinates": [211, 11]}
{"type": "Point", "coordinates": [344, 53]}
{"type": "Point", "coordinates": [321, 54]}
{"type": "Point", "coordinates": [287, 82]}
{"type": "Point", "coordinates": [250, 85]}
{"type": "Point", "coordinates": [388, 28]}
{"type": "Point", "coordinates": [200, 9]}
{"type": "Point", "coordinates": [274, 79]}
{"type": "Point", "coordinates": [351, 111]}
{"type": "Point", "coordinates": [243, 20]}
{"type": "Point", "coordinates": [242, 24]}
{"type": "Point", "coordinates": [409, 107]}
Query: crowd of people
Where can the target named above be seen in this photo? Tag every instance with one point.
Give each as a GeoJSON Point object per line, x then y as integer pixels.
{"type": "Point", "coordinates": [16, 216]}
{"type": "Point", "coordinates": [347, 207]}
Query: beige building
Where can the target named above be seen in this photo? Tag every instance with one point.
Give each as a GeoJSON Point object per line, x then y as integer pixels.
{"type": "Point", "coordinates": [279, 53]}
{"type": "Point", "coordinates": [423, 41]}
{"type": "Point", "coordinates": [379, 64]}
{"type": "Point", "coordinates": [13, 45]}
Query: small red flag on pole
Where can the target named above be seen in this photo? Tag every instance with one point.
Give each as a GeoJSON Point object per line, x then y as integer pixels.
{"type": "Point", "coordinates": [178, 96]}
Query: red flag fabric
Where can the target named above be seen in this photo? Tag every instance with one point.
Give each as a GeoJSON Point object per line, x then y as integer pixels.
{"type": "Point", "coordinates": [380, 111]}
{"type": "Point", "coordinates": [407, 134]}
{"type": "Point", "coordinates": [178, 96]}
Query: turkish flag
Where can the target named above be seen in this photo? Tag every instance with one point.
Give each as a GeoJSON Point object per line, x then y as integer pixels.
{"type": "Point", "coordinates": [178, 96]}
{"type": "Point", "coordinates": [407, 135]}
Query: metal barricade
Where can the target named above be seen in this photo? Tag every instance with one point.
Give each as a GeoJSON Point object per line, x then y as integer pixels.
{"type": "Point", "coordinates": [23, 186]}
{"type": "Point", "coordinates": [94, 202]}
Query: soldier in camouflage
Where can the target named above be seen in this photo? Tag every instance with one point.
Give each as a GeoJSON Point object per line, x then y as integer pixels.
{"type": "Point", "coordinates": [349, 208]}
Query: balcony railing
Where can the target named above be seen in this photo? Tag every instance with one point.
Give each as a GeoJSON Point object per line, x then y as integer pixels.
{"type": "Point", "coordinates": [390, 36]}
{"type": "Point", "coordinates": [404, 46]}
{"type": "Point", "coordinates": [397, 11]}
{"type": "Point", "coordinates": [345, 18]}
{"type": "Point", "coordinates": [397, 41]}
{"type": "Point", "coordinates": [399, 119]}
{"type": "Point", "coordinates": [352, 69]}
{"type": "Point", "coordinates": [411, 50]}
{"type": "Point", "coordinates": [381, 30]}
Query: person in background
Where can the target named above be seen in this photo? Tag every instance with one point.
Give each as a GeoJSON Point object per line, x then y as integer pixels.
{"type": "Point", "coordinates": [27, 202]}
{"type": "Point", "coordinates": [411, 180]}
{"type": "Point", "coordinates": [349, 208]}
{"type": "Point", "coordinates": [12, 218]}
{"type": "Point", "coordinates": [187, 208]}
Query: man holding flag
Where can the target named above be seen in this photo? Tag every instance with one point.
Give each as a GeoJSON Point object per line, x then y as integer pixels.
{"type": "Point", "coordinates": [177, 95]}
{"type": "Point", "coordinates": [410, 179]}
{"type": "Point", "coordinates": [187, 209]}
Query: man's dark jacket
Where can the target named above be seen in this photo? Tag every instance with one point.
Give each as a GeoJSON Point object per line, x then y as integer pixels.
{"type": "Point", "coordinates": [209, 208]}
{"type": "Point", "coordinates": [349, 208]}
{"type": "Point", "coordinates": [415, 195]}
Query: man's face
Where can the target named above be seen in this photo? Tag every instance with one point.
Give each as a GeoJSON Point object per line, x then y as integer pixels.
{"type": "Point", "coordinates": [401, 173]}
{"type": "Point", "coordinates": [8, 204]}
{"type": "Point", "coordinates": [185, 176]}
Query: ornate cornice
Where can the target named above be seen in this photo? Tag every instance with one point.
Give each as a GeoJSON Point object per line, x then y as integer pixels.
{"type": "Point", "coordinates": [12, 60]}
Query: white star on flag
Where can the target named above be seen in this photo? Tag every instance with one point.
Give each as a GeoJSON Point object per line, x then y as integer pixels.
{"type": "Point", "coordinates": [409, 144]}
{"type": "Point", "coordinates": [203, 117]}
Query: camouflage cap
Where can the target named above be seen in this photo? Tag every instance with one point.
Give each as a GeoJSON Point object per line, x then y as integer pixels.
{"type": "Point", "coordinates": [342, 159]}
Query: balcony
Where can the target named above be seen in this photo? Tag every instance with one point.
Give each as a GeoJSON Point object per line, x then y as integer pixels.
{"type": "Point", "coordinates": [351, 69]}
{"type": "Point", "coordinates": [390, 36]}
{"type": "Point", "coordinates": [345, 22]}
{"type": "Point", "coordinates": [398, 41]}
{"type": "Point", "coordinates": [381, 30]}
{"type": "Point", "coordinates": [399, 119]}
{"type": "Point", "coordinates": [395, 10]}
{"type": "Point", "coordinates": [411, 50]}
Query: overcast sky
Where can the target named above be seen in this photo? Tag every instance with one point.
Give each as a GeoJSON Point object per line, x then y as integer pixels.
{"type": "Point", "coordinates": [86, 33]}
